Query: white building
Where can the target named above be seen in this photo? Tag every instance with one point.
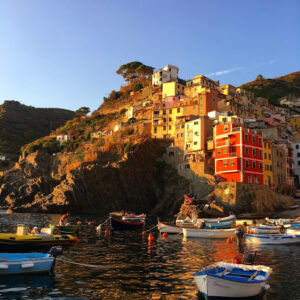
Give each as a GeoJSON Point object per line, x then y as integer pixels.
{"type": "Point", "coordinates": [167, 73]}
{"type": "Point", "coordinates": [195, 133]}
{"type": "Point", "coordinates": [64, 138]}
{"type": "Point", "coordinates": [132, 109]}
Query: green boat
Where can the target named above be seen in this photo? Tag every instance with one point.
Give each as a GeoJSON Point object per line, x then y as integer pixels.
{"type": "Point", "coordinates": [68, 229]}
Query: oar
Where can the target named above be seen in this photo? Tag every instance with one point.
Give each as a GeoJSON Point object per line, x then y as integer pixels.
{"type": "Point", "coordinates": [223, 272]}
{"type": "Point", "coordinates": [253, 276]}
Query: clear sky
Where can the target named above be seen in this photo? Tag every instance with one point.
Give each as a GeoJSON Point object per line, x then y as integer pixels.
{"type": "Point", "coordinates": [64, 53]}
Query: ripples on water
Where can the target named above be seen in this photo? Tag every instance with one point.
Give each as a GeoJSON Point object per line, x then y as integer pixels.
{"type": "Point", "coordinates": [133, 270]}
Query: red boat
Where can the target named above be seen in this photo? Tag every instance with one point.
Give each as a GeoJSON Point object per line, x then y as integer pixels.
{"type": "Point", "coordinates": [127, 221]}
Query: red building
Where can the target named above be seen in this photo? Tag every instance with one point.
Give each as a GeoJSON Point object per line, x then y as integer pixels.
{"type": "Point", "coordinates": [238, 153]}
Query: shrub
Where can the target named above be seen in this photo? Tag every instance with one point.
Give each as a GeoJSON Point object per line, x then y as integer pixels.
{"type": "Point", "coordinates": [128, 147]}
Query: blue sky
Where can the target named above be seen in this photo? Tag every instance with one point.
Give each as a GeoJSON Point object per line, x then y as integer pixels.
{"type": "Point", "coordinates": [64, 53]}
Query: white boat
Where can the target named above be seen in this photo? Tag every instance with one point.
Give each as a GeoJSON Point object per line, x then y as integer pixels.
{"type": "Point", "coordinates": [227, 280]}
{"type": "Point", "coordinates": [163, 227]}
{"type": "Point", "coordinates": [208, 233]}
{"type": "Point", "coordinates": [291, 237]}
{"type": "Point", "coordinates": [267, 229]}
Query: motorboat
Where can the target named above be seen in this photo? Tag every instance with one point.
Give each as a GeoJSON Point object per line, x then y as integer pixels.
{"type": "Point", "coordinates": [68, 229]}
{"type": "Point", "coordinates": [127, 221]}
{"type": "Point", "coordinates": [290, 237]}
{"type": "Point", "coordinates": [228, 280]}
{"type": "Point", "coordinates": [171, 229]}
{"type": "Point", "coordinates": [24, 238]}
{"type": "Point", "coordinates": [208, 233]}
{"type": "Point", "coordinates": [268, 229]}
{"type": "Point", "coordinates": [28, 263]}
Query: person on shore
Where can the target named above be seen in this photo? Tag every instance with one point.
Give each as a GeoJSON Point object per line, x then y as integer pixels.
{"type": "Point", "coordinates": [64, 219]}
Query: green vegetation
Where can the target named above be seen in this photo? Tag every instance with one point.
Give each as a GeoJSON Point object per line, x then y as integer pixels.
{"type": "Point", "coordinates": [134, 70]}
{"type": "Point", "coordinates": [82, 111]}
{"type": "Point", "coordinates": [273, 89]}
{"type": "Point", "coordinates": [21, 124]}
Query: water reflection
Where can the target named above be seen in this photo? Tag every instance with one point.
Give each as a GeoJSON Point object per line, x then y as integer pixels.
{"type": "Point", "coordinates": [135, 270]}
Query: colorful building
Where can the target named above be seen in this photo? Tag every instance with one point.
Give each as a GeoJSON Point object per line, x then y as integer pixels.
{"type": "Point", "coordinates": [167, 73]}
{"type": "Point", "coordinates": [279, 165]}
{"type": "Point", "coordinates": [268, 163]}
{"type": "Point", "coordinates": [173, 88]}
{"type": "Point", "coordinates": [295, 121]}
{"type": "Point", "coordinates": [238, 153]}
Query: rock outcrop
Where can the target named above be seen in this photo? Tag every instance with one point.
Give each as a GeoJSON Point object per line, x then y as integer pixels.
{"type": "Point", "coordinates": [139, 182]}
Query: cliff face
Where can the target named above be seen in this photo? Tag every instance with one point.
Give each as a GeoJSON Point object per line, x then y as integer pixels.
{"type": "Point", "coordinates": [21, 124]}
{"type": "Point", "coordinates": [138, 182]}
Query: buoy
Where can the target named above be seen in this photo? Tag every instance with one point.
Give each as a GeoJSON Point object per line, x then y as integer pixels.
{"type": "Point", "coordinates": [75, 240]}
{"type": "Point", "coordinates": [106, 232]}
{"type": "Point", "coordinates": [165, 235]}
{"type": "Point", "coordinates": [78, 223]}
{"type": "Point", "coordinates": [229, 240]}
{"type": "Point", "coordinates": [150, 238]}
{"type": "Point", "coordinates": [238, 259]}
{"type": "Point", "coordinates": [90, 223]}
{"type": "Point", "coordinates": [250, 232]}
{"type": "Point", "coordinates": [144, 233]}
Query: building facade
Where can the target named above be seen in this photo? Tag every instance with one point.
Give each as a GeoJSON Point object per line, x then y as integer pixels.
{"type": "Point", "coordinates": [167, 73]}
{"type": "Point", "coordinates": [238, 153]}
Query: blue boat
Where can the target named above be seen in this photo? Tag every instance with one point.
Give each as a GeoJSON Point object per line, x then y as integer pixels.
{"type": "Point", "coordinates": [226, 280]}
{"type": "Point", "coordinates": [28, 263]}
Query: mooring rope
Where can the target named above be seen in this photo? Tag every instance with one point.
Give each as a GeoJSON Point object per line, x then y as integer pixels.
{"type": "Point", "coordinates": [152, 228]}
{"type": "Point", "coordinates": [99, 226]}
{"type": "Point", "coordinates": [81, 264]}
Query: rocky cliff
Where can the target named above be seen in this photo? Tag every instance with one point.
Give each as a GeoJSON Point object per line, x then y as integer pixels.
{"type": "Point", "coordinates": [139, 182]}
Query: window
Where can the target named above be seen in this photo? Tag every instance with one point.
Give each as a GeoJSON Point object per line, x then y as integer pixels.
{"type": "Point", "coordinates": [247, 163]}
{"type": "Point", "coordinates": [196, 123]}
{"type": "Point", "coordinates": [249, 178]}
{"type": "Point", "coordinates": [269, 146]}
{"type": "Point", "coordinates": [170, 127]}
{"type": "Point", "coordinates": [165, 120]}
{"type": "Point", "coordinates": [254, 165]}
{"type": "Point", "coordinates": [194, 107]}
{"type": "Point", "coordinates": [200, 97]}
{"type": "Point", "coordinates": [181, 134]}
{"type": "Point", "coordinates": [225, 127]}
{"type": "Point", "coordinates": [260, 153]}
{"type": "Point", "coordinates": [225, 151]}
{"type": "Point", "coordinates": [170, 119]}
{"type": "Point", "coordinates": [164, 112]}
{"type": "Point", "coordinates": [299, 163]}
{"type": "Point", "coordinates": [253, 139]}
{"type": "Point", "coordinates": [170, 111]}
{"type": "Point", "coordinates": [259, 141]}
{"type": "Point", "coordinates": [253, 151]}
{"type": "Point", "coordinates": [265, 155]}
{"type": "Point", "coordinates": [165, 128]}
{"type": "Point", "coordinates": [265, 145]}
{"type": "Point", "coordinates": [185, 109]}
{"type": "Point", "coordinates": [219, 151]}
{"type": "Point", "coordinates": [195, 143]}
{"type": "Point", "coordinates": [247, 150]}
{"type": "Point", "coordinates": [246, 137]}
{"type": "Point", "coordinates": [178, 109]}
{"type": "Point", "coordinates": [187, 166]}
{"type": "Point", "coordinates": [177, 135]}
{"type": "Point", "coordinates": [155, 129]}
{"type": "Point", "coordinates": [271, 168]}
{"type": "Point", "coordinates": [269, 156]}
{"type": "Point", "coordinates": [297, 146]}
{"type": "Point", "coordinates": [261, 166]}
{"type": "Point", "coordinates": [232, 162]}
{"type": "Point", "coordinates": [298, 154]}
{"type": "Point", "coordinates": [225, 163]}
{"type": "Point", "coordinates": [201, 104]}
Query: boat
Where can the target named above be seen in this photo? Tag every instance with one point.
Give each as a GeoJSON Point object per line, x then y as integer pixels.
{"type": "Point", "coordinates": [68, 229]}
{"type": "Point", "coordinates": [208, 223]}
{"type": "Point", "coordinates": [208, 233]}
{"type": "Point", "coordinates": [124, 221]}
{"type": "Point", "coordinates": [285, 222]}
{"type": "Point", "coordinates": [268, 229]}
{"type": "Point", "coordinates": [29, 240]}
{"type": "Point", "coordinates": [28, 263]}
{"type": "Point", "coordinates": [166, 228]}
{"type": "Point", "coordinates": [290, 237]}
{"type": "Point", "coordinates": [228, 280]}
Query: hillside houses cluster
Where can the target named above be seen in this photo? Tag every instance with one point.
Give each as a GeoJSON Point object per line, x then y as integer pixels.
{"type": "Point", "coordinates": [225, 131]}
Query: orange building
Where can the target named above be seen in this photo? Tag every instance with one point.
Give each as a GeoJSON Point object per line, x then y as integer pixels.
{"type": "Point", "coordinates": [238, 153]}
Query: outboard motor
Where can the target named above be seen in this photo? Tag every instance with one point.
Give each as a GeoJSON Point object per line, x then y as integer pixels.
{"type": "Point", "coordinates": [55, 251]}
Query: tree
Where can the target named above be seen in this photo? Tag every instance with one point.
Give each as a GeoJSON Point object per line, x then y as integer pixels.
{"type": "Point", "coordinates": [259, 77]}
{"type": "Point", "coordinates": [134, 70]}
{"type": "Point", "coordinates": [82, 111]}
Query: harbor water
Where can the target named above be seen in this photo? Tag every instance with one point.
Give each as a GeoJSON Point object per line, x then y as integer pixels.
{"type": "Point", "coordinates": [128, 268]}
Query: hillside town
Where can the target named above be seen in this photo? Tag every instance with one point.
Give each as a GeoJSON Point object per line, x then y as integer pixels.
{"type": "Point", "coordinates": [222, 132]}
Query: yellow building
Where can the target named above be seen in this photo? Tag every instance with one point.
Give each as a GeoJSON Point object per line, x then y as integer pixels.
{"type": "Point", "coordinates": [295, 121]}
{"type": "Point", "coordinates": [227, 89]}
{"type": "Point", "coordinates": [171, 89]}
{"type": "Point", "coordinates": [268, 163]}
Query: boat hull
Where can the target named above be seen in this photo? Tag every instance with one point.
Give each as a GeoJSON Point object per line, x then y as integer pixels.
{"type": "Point", "coordinates": [31, 263]}
{"type": "Point", "coordinates": [32, 241]}
{"type": "Point", "coordinates": [68, 229]}
{"type": "Point", "coordinates": [123, 225]}
{"type": "Point", "coordinates": [273, 239]}
{"type": "Point", "coordinates": [208, 233]}
{"type": "Point", "coordinates": [165, 228]}
{"type": "Point", "coordinates": [213, 287]}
